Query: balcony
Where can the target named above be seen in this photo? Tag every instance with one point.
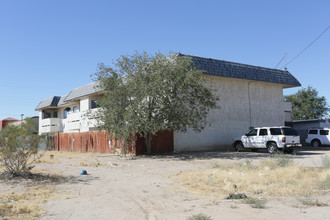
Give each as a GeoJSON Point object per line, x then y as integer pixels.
{"type": "Point", "coordinates": [50, 125]}
{"type": "Point", "coordinates": [72, 122]}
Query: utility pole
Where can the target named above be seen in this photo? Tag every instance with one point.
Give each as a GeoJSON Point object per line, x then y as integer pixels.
{"type": "Point", "coordinates": [22, 118]}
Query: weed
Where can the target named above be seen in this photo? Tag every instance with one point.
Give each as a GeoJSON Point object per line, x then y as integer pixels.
{"type": "Point", "coordinates": [233, 206]}
{"type": "Point", "coordinates": [325, 184]}
{"type": "Point", "coordinates": [325, 161]}
{"type": "Point", "coordinates": [24, 205]}
{"type": "Point", "coordinates": [200, 216]}
{"type": "Point", "coordinates": [255, 203]}
{"type": "Point", "coordinates": [308, 201]}
{"type": "Point", "coordinates": [283, 160]}
{"type": "Point", "coordinates": [236, 196]}
{"type": "Point", "coordinates": [216, 166]}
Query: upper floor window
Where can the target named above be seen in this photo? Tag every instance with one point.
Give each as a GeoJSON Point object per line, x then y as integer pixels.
{"type": "Point", "coordinates": [47, 114]}
{"type": "Point", "coordinates": [75, 109]}
{"type": "Point", "coordinates": [55, 115]}
{"type": "Point", "coordinates": [65, 112]}
{"type": "Point", "coordinates": [94, 104]}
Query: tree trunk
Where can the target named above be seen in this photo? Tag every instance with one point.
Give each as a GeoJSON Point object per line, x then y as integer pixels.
{"type": "Point", "coordinates": [148, 142]}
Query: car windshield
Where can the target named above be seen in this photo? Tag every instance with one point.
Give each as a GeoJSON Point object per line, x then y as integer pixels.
{"type": "Point", "coordinates": [290, 132]}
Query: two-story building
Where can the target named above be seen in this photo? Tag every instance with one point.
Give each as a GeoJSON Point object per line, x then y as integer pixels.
{"type": "Point", "coordinates": [250, 96]}
{"type": "Point", "coordinates": [68, 113]}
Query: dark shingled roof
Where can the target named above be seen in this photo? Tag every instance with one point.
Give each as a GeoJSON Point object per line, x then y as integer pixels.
{"type": "Point", "coordinates": [83, 91]}
{"type": "Point", "coordinates": [243, 71]}
{"type": "Point", "coordinates": [61, 101]}
{"type": "Point", "coordinates": [50, 102]}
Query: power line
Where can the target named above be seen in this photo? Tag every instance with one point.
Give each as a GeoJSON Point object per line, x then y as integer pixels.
{"type": "Point", "coordinates": [307, 46]}
{"type": "Point", "coordinates": [279, 62]}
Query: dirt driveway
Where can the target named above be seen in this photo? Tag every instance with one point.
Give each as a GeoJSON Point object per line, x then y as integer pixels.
{"type": "Point", "coordinates": [143, 188]}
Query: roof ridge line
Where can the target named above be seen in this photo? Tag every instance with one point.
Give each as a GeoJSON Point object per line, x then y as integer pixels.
{"type": "Point", "coordinates": [234, 62]}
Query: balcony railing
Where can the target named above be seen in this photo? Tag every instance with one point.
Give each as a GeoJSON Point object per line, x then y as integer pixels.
{"type": "Point", "coordinates": [72, 122]}
{"type": "Point", "coordinates": [50, 125]}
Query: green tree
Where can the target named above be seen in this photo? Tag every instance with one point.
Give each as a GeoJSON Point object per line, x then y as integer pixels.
{"type": "Point", "coordinates": [145, 94]}
{"type": "Point", "coordinates": [19, 147]}
{"type": "Point", "coordinates": [306, 104]}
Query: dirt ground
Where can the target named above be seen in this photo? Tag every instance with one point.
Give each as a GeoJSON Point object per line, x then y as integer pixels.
{"type": "Point", "coordinates": [144, 188]}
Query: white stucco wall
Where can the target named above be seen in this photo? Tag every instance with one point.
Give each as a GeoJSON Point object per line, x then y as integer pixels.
{"type": "Point", "coordinates": [234, 118]}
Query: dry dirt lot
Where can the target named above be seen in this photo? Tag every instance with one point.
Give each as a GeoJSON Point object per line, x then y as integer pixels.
{"type": "Point", "coordinates": [148, 188]}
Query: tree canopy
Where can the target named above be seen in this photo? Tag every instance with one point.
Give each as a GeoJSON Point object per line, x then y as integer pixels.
{"type": "Point", "coordinates": [306, 104]}
{"type": "Point", "coordinates": [149, 93]}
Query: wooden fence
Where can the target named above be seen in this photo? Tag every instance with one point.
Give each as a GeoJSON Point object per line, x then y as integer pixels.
{"type": "Point", "coordinates": [99, 142]}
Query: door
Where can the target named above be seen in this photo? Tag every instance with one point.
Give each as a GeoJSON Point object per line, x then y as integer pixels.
{"type": "Point", "coordinates": [250, 139]}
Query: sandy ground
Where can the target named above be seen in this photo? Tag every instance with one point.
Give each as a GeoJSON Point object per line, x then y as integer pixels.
{"type": "Point", "coordinates": [143, 188]}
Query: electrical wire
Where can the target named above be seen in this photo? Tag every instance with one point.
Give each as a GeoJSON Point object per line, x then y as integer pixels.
{"type": "Point", "coordinates": [306, 47]}
{"type": "Point", "coordinates": [279, 62]}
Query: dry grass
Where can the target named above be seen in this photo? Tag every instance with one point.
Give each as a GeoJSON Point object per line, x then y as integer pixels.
{"type": "Point", "coordinates": [25, 205]}
{"type": "Point", "coordinates": [308, 201]}
{"type": "Point", "coordinates": [93, 163]}
{"type": "Point", "coordinates": [25, 202]}
{"type": "Point", "coordinates": [271, 178]}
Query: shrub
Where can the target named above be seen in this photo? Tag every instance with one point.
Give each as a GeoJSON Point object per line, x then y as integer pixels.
{"type": "Point", "coordinates": [199, 217]}
{"type": "Point", "coordinates": [19, 147]}
{"type": "Point", "coordinates": [255, 203]}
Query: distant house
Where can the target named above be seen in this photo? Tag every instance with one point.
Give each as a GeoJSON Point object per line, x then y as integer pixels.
{"type": "Point", "coordinates": [66, 113]}
{"type": "Point", "coordinates": [250, 96]}
{"type": "Point", "coordinates": [6, 121]}
{"type": "Point", "coordinates": [13, 121]}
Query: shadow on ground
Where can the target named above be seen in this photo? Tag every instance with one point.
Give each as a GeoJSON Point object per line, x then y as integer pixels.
{"type": "Point", "coordinates": [244, 154]}
{"type": "Point", "coordinates": [41, 178]}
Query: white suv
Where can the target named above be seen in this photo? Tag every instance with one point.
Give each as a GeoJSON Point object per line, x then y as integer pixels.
{"type": "Point", "coordinates": [318, 137]}
{"type": "Point", "coordinates": [271, 138]}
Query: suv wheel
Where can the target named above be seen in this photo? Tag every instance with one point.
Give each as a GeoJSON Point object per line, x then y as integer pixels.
{"type": "Point", "coordinates": [316, 143]}
{"type": "Point", "coordinates": [238, 146]}
{"type": "Point", "coordinates": [272, 148]}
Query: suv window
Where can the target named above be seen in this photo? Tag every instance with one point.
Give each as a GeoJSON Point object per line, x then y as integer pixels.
{"type": "Point", "coordinates": [324, 132]}
{"type": "Point", "coordinates": [263, 132]}
{"type": "Point", "coordinates": [252, 132]}
{"type": "Point", "coordinates": [275, 131]}
{"type": "Point", "coordinates": [312, 132]}
{"type": "Point", "coordinates": [290, 132]}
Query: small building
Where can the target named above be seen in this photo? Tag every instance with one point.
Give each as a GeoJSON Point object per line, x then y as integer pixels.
{"type": "Point", "coordinates": [302, 126]}
{"type": "Point", "coordinates": [6, 121]}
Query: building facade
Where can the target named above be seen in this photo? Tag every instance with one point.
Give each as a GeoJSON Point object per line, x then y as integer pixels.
{"type": "Point", "coordinates": [68, 113]}
{"type": "Point", "coordinates": [250, 96]}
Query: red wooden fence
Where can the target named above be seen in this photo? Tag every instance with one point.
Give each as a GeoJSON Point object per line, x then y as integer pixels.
{"type": "Point", "coordinates": [99, 142]}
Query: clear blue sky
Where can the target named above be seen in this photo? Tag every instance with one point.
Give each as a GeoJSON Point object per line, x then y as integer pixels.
{"type": "Point", "coordinates": [49, 47]}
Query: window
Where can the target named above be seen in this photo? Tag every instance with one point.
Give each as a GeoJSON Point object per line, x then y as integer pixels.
{"type": "Point", "coordinates": [65, 112]}
{"type": "Point", "coordinates": [55, 115]}
{"type": "Point", "coordinates": [275, 131]}
{"type": "Point", "coordinates": [324, 132]}
{"type": "Point", "coordinates": [47, 115]}
{"type": "Point", "coordinates": [94, 104]}
{"type": "Point", "coordinates": [312, 132]}
{"type": "Point", "coordinates": [290, 132]}
{"type": "Point", "coordinates": [252, 132]}
{"type": "Point", "coordinates": [75, 109]}
{"type": "Point", "coordinates": [263, 132]}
